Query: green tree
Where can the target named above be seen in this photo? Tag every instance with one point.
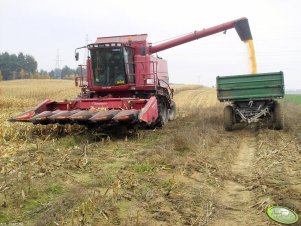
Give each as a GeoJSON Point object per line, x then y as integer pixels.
{"type": "Point", "coordinates": [21, 60]}
{"type": "Point", "coordinates": [5, 65]}
{"type": "Point", "coordinates": [31, 64]}
{"type": "Point", "coordinates": [66, 71]}
{"type": "Point", "coordinates": [13, 66]}
{"type": "Point", "coordinates": [22, 74]}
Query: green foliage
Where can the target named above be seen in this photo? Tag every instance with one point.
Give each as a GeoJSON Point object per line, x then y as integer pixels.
{"type": "Point", "coordinates": [16, 67]}
{"type": "Point", "coordinates": [143, 167]}
{"type": "Point", "coordinates": [39, 76]}
{"type": "Point", "coordinates": [70, 141]}
{"type": "Point", "coordinates": [166, 184]}
{"type": "Point", "coordinates": [65, 73]}
{"type": "Point", "coordinates": [37, 198]}
{"type": "Point", "coordinates": [22, 66]}
{"type": "Point", "coordinates": [293, 98]}
{"type": "Point", "coordinates": [70, 76]}
{"type": "Point", "coordinates": [55, 189]}
{"type": "Point", "coordinates": [5, 217]}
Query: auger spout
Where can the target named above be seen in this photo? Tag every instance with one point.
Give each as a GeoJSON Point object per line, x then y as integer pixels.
{"type": "Point", "coordinates": [243, 29]}
{"type": "Point", "coordinates": [241, 26]}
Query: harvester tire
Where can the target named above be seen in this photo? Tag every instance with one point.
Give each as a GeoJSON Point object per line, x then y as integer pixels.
{"type": "Point", "coordinates": [163, 113]}
{"type": "Point", "coordinates": [228, 118]}
{"type": "Point", "coordinates": [278, 117]}
{"type": "Point", "coordinates": [172, 111]}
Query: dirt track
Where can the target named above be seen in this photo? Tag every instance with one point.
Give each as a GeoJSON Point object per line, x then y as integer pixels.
{"type": "Point", "coordinates": [191, 172]}
{"type": "Point", "coordinates": [236, 196]}
{"type": "Point", "coordinates": [241, 203]}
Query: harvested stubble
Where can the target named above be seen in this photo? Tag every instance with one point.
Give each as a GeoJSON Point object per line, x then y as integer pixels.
{"type": "Point", "coordinates": [168, 176]}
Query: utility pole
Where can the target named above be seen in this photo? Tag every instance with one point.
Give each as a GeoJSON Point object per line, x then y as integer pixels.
{"type": "Point", "coordinates": [85, 55]}
{"type": "Point", "coordinates": [57, 69]}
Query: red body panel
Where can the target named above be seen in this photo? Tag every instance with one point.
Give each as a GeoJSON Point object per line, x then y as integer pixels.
{"type": "Point", "coordinates": [89, 74]}
{"type": "Point", "coordinates": [161, 71]}
{"type": "Point", "coordinates": [149, 113]}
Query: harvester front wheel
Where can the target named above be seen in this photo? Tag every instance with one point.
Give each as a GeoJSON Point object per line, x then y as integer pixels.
{"type": "Point", "coordinates": [228, 118]}
{"type": "Point", "coordinates": [163, 113]}
{"type": "Point", "coordinates": [278, 116]}
{"type": "Point", "coordinates": [172, 111]}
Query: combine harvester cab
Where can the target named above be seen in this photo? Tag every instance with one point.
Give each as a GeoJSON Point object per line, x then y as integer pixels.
{"type": "Point", "coordinates": [124, 83]}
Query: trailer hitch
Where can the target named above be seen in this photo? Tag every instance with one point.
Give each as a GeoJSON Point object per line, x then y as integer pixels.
{"type": "Point", "coordinates": [255, 118]}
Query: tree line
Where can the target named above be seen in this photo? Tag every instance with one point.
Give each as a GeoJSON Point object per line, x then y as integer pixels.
{"type": "Point", "coordinates": [24, 66]}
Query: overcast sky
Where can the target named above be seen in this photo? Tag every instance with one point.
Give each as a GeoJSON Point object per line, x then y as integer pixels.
{"type": "Point", "coordinates": [41, 28]}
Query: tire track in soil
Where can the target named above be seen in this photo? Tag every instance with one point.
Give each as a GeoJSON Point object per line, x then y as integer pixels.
{"type": "Point", "coordinates": [235, 199]}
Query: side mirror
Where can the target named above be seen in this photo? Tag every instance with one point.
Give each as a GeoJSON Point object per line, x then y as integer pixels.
{"type": "Point", "coordinates": [76, 56]}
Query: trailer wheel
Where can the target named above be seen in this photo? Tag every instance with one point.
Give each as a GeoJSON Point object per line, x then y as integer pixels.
{"type": "Point", "coordinates": [172, 111]}
{"type": "Point", "coordinates": [278, 116]}
{"type": "Point", "coordinates": [228, 118]}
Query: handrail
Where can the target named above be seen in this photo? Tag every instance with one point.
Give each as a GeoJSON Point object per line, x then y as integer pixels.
{"type": "Point", "coordinates": [154, 65]}
{"type": "Point", "coordinates": [81, 81]}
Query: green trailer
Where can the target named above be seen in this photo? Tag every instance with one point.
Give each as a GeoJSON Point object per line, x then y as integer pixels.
{"type": "Point", "coordinates": [252, 97]}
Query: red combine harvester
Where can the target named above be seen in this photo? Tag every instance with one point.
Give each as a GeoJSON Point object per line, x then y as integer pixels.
{"type": "Point", "coordinates": [125, 84]}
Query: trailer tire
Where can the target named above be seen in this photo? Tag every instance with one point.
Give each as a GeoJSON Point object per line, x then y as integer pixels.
{"type": "Point", "coordinates": [228, 118]}
{"type": "Point", "coordinates": [278, 117]}
{"type": "Point", "coordinates": [172, 111]}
